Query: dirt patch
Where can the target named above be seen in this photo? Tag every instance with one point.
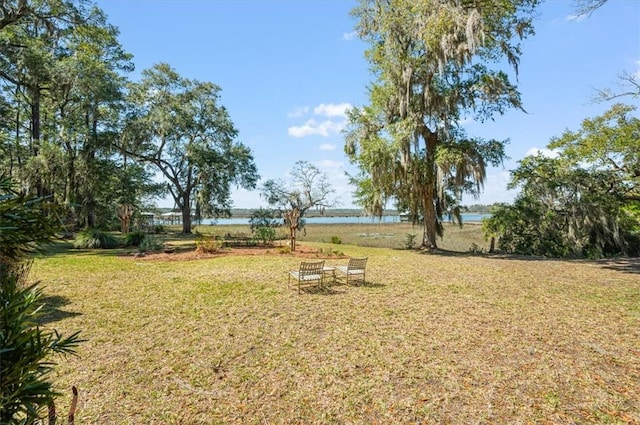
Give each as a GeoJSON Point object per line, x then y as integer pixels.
{"type": "Point", "coordinates": [192, 254]}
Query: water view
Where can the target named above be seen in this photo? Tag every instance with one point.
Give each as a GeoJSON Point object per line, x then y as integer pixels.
{"type": "Point", "coordinates": [468, 218]}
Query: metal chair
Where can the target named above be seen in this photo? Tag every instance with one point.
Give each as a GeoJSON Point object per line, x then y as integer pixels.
{"type": "Point", "coordinates": [308, 273]}
{"type": "Point", "coordinates": [354, 271]}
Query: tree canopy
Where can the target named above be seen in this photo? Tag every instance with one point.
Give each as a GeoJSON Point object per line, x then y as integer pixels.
{"type": "Point", "coordinates": [177, 125]}
{"type": "Point", "coordinates": [586, 202]}
{"type": "Point", "coordinates": [69, 114]}
{"type": "Point", "coordinates": [432, 61]}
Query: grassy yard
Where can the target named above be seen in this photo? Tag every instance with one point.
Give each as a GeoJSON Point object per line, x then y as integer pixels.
{"type": "Point", "coordinates": [441, 338]}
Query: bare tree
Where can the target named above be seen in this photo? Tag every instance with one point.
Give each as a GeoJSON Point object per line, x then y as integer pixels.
{"type": "Point", "coordinates": [629, 85]}
{"type": "Point", "coordinates": [306, 188]}
{"type": "Point", "coordinates": [587, 7]}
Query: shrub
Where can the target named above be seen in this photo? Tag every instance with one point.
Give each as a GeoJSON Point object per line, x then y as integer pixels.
{"type": "Point", "coordinates": [150, 243]}
{"type": "Point", "coordinates": [134, 238]}
{"type": "Point", "coordinates": [336, 240]}
{"type": "Point", "coordinates": [266, 235]}
{"type": "Point", "coordinates": [208, 243]}
{"type": "Point", "coordinates": [474, 248]}
{"type": "Point", "coordinates": [263, 218]}
{"type": "Point", "coordinates": [95, 238]}
{"type": "Point", "coordinates": [409, 240]}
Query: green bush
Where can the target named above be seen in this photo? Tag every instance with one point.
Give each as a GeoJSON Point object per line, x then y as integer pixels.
{"type": "Point", "coordinates": [264, 218]}
{"type": "Point", "coordinates": [134, 238]}
{"type": "Point", "coordinates": [94, 239]}
{"type": "Point", "coordinates": [266, 235]}
{"type": "Point", "coordinates": [409, 240]}
{"type": "Point", "coordinates": [208, 243]}
{"type": "Point", "coordinates": [151, 243]}
{"type": "Point", "coordinates": [159, 228]}
{"type": "Point", "coordinates": [336, 240]}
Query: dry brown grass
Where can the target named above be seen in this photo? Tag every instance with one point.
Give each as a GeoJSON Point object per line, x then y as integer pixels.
{"type": "Point", "coordinates": [428, 339]}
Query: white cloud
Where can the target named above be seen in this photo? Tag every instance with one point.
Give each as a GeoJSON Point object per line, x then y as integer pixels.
{"type": "Point", "coordinates": [548, 153]}
{"type": "Point", "coordinates": [324, 128]}
{"type": "Point", "coordinates": [327, 147]}
{"type": "Point", "coordinates": [350, 35]}
{"type": "Point", "coordinates": [332, 109]}
{"type": "Point", "coordinates": [313, 128]}
{"type": "Point", "coordinates": [298, 111]}
{"type": "Point", "coordinates": [576, 18]}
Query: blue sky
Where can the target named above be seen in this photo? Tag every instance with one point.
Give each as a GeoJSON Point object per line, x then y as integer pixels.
{"type": "Point", "coordinates": [289, 68]}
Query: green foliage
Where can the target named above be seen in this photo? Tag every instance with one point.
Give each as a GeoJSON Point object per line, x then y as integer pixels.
{"type": "Point", "coordinates": [24, 223]}
{"type": "Point", "coordinates": [336, 240]}
{"type": "Point", "coordinates": [134, 238]}
{"type": "Point", "coordinates": [150, 243]}
{"type": "Point", "coordinates": [73, 95]}
{"type": "Point", "coordinates": [583, 203]}
{"type": "Point", "coordinates": [410, 240]}
{"type": "Point", "coordinates": [95, 239]}
{"type": "Point", "coordinates": [265, 234]}
{"type": "Point", "coordinates": [25, 348]}
{"type": "Point", "coordinates": [178, 126]}
{"type": "Point", "coordinates": [433, 65]}
{"type": "Point", "coordinates": [209, 243]}
{"type": "Point", "coordinates": [159, 228]}
{"type": "Point", "coordinates": [263, 217]}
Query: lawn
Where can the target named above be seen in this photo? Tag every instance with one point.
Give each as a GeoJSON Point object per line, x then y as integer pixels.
{"type": "Point", "coordinates": [430, 338]}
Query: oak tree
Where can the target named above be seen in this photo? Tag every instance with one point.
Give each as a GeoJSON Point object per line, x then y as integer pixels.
{"type": "Point", "coordinates": [435, 63]}
{"type": "Point", "coordinates": [179, 126]}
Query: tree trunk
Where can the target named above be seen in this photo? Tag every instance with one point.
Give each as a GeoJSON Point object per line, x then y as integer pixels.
{"type": "Point", "coordinates": [292, 236]}
{"type": "Point", "coordinates": [292, 217]}
{"type": "Point", "coordinates": [430, 219]}
{"type": "Point", "coordinates": [186, 214]}
{"type": "Point", "coordinates": [35, 135]}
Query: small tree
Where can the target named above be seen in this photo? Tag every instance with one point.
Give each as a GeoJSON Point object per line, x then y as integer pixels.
{"type": "Point", "coordinates": [306, 188]}
{"type": "Point", "coordinates": [263, 223]}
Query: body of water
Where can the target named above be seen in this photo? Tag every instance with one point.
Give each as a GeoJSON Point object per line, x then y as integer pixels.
{"type": "Point", "coordinates": [342, 220]}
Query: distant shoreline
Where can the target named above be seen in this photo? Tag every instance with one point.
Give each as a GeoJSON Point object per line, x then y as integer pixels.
{"type": "Point", "coordinates": [346, 212]}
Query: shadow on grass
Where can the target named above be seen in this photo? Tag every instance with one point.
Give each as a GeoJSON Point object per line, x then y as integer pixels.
{"type": "Point", "coordinates": [369, 284]}
{"type": "Point", "coordinates": [52, 310]}
{"type": "Point", "coordinates": [625, 265]}
{"type": "Point", "coordinates": [365, 284]}
{"type": "Point", "coordinates": [320, 290]}
{"type": "Point", "coordinates": [64, 247]}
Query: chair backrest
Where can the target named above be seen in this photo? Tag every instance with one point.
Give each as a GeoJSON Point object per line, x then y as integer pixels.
{"type": "Point", "coordinates": [311, 268]}
{"type": "Point", "coordinates": [357, 263]}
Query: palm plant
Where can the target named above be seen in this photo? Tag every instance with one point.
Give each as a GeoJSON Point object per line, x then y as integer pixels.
{"type": "Point", "coordinates": [25, 347]}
